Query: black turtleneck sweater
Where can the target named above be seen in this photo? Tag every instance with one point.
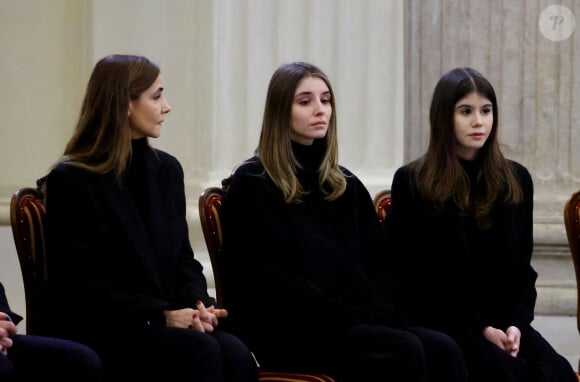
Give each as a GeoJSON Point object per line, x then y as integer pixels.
{"type": "Point", "coordinates": [136, 175]}
{"type": "Point", "coordinates": [453, 275]}
{"type": "Point", "coordinates": [296, 273]}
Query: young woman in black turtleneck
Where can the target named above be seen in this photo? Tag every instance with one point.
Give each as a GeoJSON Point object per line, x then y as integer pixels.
{"type": "Point", "coordinates": [460, 226]}
{"type": "Point", "coordinates": [121, 268]}
{"type": "Point", "coordinates": [299, 234]}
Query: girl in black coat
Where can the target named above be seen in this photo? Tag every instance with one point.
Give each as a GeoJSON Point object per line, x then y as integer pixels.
{"type": "Point", "coordinates": [461, 230]}
{"type": "Point", "coordinates": [122, 272]}
{"type": "Point", "coordinates": [298, 232]}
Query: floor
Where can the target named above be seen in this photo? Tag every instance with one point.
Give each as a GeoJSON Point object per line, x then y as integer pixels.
{"type": "Point", "coordinates": [562, 333]}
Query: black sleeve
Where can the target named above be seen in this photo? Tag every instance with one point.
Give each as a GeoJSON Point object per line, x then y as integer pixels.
{"type": "Point", "coordinates": [4, 307]}
{"type": "Point", "coordinates": [526, 276]}
{"type": "Point", "coordinates": [192, 283]}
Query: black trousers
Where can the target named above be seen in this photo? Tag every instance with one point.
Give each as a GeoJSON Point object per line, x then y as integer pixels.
{"type": "Point", "coordinates": [154, 354]}
{"type": "Point", "coordinates": [372, 353]}
{"type": "Point", "coordinates": [537, 361]}
{"type": "Point", "coordinates": [443, 357]}
{"type": "Point", "coordinates": [34, 358]}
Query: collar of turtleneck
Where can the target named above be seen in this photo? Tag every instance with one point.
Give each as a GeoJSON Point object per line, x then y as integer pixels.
{"type": "Point", "coordinates": [135, 163]}
{"type": "Point", "coordinates": [138, 148]}
{"type": "Point", "coordinates": [140, 144]}
{"type": "Point", "coordinates": [471, 167]}
{"type": "Point", "coordinates": [309, 156]}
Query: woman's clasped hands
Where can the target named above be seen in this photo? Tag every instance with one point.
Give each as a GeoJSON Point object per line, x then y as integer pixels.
{"type": "Point", "coordinates": [508, 341]}
{"type": "Point", "coordinates": [203, 319]}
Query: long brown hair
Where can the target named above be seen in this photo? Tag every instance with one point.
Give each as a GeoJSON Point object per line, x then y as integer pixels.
{"type": "Point", "coordinates": [275, 149]}
{"type": "Point", "coordinates": [101, 141]}
{"type": "Point", "coordinates": [439, 175]}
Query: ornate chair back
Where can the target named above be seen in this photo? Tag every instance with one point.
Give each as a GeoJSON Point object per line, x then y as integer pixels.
{"type": "Point", "coordinates": [27, 217]}
{"type": "Point", "coordinates": [572, 224]}
{"type": "Point", "coordinates": [210, 202]}
{"type": "Point", "coordinates": [382, 202]}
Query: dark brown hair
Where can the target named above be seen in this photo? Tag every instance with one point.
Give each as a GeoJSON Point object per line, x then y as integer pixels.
{"type": "Point", "coordinates": [102, 139]}
{"type": "Point", "coordinates": [439, 175]}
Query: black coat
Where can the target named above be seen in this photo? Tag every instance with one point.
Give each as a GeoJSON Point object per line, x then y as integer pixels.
{"type": "Point", "coordinates": [451, 275]}
{"type": "Point", "coordinates": [296, 274]}
{"type": "Point", "coordinates": [119, 251]}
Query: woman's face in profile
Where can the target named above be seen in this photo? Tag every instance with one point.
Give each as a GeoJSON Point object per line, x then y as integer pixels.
{"type": "Point", "coordinates": [146, 113]}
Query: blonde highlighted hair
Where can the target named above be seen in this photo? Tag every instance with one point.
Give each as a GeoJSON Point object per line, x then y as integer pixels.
{"type": "Point", "coordinates": [275, 149]}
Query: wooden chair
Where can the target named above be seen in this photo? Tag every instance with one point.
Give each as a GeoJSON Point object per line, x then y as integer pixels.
{"type": "Point", "coordinates": [210, 201]}
{"type": "Point", "coordinates": [382, 202]}
{"type": "Point", "coordinates": [27, 216]}
{"type": "Point", "coordinates": [572, 224]}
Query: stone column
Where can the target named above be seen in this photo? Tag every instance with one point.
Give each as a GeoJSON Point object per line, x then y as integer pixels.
{"type": "Point", "coordinates": [535, 79]}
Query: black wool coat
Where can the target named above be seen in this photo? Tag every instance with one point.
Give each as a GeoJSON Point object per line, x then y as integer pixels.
{"type": "Point", "coordinates": [296, 276]}
{"type": "Point", "coordinates": [454, 277]}
{"type": "Point", "coordinates": [118, 250]}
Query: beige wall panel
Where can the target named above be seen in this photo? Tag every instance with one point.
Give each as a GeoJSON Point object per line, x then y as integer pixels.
{"type": "Point", "coordinates": [43, 45]}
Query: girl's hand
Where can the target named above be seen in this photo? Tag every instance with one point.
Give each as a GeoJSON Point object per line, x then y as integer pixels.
{"type": "Point", "coordinates": [514, 336]}
{"type": "Point", "coordinates": [496, 336]}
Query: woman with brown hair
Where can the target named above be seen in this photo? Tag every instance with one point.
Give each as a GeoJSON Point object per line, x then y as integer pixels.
{"type": "Point", "coordinates": [122, 272]}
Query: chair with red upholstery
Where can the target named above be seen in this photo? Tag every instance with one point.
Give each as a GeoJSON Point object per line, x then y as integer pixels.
{"type": "Point", "coordinates": [209, 213]}
{"type": "Point", "coordinates": [27, 216]}
{"type": "Point", "coordinates": [382, 202]}
{"type": "Point", "coordinates": [572, 224]}
{"type": "Point", "coordinates": [210, 201]}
